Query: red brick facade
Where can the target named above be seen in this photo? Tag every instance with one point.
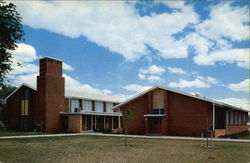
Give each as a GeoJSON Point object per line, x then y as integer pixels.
{"type": "Point", "coordinates": [184, 116]}
{"type": "Point", "coordinates": [50, 88]}
{"type": "Point", "coordinates": [179, 114]}
{"type": "Point", "coordinates": [14, 108]}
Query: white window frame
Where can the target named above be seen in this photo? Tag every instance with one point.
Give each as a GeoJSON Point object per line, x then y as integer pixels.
{"type": "Point", "coordinates": [109, 107]}
{"type": "Point", "coordinates": [87, 105]}
{"type": "Point", "coordinates": [99, 107]}
{"type": "Point", "coordinates": [75, 103]}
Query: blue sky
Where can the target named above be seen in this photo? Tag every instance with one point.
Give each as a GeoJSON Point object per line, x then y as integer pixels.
{"type": "Point", "coordinates": [122, 48]}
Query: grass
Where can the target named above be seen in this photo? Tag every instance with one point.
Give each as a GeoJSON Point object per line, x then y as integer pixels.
{"type": "Point", "coordinates": [19, 133]}
{"type": "Point", "coordinates": [240, 135]}
{"type": "Point", "coordinates": [111, 149]}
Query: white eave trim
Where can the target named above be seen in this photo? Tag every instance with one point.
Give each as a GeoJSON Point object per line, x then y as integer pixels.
{"type": "Point", "coordinates": [182, 93]}
{"type": "Point", "coordinates": [154, 115]}
{"type": "Point", "coordinates": [92, 113]}
{"type": "Point", "coordinates": [94, 99]}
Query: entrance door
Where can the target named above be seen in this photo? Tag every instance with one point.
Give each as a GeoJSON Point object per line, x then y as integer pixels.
{"type": "Point", "coordinates": [155, 125]}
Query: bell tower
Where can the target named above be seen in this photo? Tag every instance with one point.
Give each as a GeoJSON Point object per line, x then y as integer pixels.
{"type": "Point", "coordinates": [50, 94]}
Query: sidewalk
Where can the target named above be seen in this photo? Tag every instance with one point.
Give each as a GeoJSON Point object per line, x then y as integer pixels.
{"type": "Point", "coordinates": [130, 136]}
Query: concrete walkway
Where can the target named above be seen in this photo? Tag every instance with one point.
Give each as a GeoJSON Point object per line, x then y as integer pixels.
{"type": "Point", "coordinates": [130, 136]}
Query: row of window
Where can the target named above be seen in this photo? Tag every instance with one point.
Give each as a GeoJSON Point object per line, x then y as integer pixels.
{"type": "Point", "coordinates": [236, 117]}
{"type": "Point", "coordinates": [87, 105]}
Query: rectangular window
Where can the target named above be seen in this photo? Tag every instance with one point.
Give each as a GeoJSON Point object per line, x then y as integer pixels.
{"type": "Point", "coordinates": [24, 107]}
{"type": "Point", "coordinates": [236, 118]}
{"type": "Point", "coordinates": [87, 105]}
{"type": "Point", "coordinates": [231, 117]}
{"type": "Point", "coordinates": [99, 106]}
{"type": "Point", "coordinates": [158, 111]}
{"type": "Point", "coordinates": [240, 118]}
{"type": "Point", "coordinates": [75, 105]}
{"type": "Point", "coordinates": [109, 107]}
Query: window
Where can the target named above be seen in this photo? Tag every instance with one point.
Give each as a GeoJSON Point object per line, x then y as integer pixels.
{"type": "Point", "coordinates": [24, 107]}
{"type": "Point", "coordinates": [231, 117]}
{"type": "Point", "coordinates": [75, 105]}
{"type": "Point", "coordinates": [98, 106]}
{"type": "Point", "coordinates": [236, 118]}
{"type": "Point", "coordinates": [24, 103]}
{"type": "Point", "coordinates": [109, 107]}
{"type": "Point", "coordinates": [158, 111]}
{"type": "Point", "coordinates": [87, 105]}
{"type": "Point", "coordinates": [239, 118]}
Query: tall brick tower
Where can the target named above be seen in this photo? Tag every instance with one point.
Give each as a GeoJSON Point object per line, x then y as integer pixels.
{"type": "Point", "coordinates": [50, 94]}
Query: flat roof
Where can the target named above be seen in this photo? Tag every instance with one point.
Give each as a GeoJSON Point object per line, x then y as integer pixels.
{"type": "Point", "coordinates": [79, 95]}
{"type": "Point", "coordinates": [92, 113]}
{"type": "Point", "coordinates": [182, 93]}
{"type": "Point", "coordinates": [92, 96]}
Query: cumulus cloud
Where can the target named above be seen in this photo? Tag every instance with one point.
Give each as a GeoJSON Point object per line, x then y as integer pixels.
{"type": "Point", "coordinates": [23, 57]}
{"type": "Point", "coordinates": [153, 69]}
{"type": "Point", "coordinates": [238, 56]}
{"type": "Point", "coordinates": [115, 25]}
{"type": "Point", "coordinates": [175, 70]}
{"type": "Point", "coordinates": [151, 73]}
{"type": "Point", "coordinates": [213, 38]}
{"type": "Point", "coordinates": [226, 21]}
{"type": "Point", "coordinates": [242, 103]}
{"type": "Point", "coordinates": [199, 82]}
{"type": "Point", "coordinates": [75, 85]}
{"type": "Point", "coordinates": [67, 67]}
{"type": "Point", "coordinates": [243, 86]}
{"type": "Point", "coordinates": [136, 88]}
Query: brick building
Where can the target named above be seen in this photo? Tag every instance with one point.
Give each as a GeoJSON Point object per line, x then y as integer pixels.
{"type": "Point", "coordinates": [158, 110]}
{"type": "Point", "coordinates": [50, 107]}
{"type": "Point", "coordinates": [165, 111]}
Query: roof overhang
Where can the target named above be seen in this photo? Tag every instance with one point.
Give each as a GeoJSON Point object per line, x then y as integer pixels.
{"type": "Point", "coordinates": [116, 114]}
{"type": "Point", "coordinates": [154, 115]}
{"type": "Point", "coordinates": [217, 103]}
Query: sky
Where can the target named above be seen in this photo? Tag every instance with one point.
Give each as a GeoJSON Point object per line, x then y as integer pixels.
{"type": "Point", "coordinates": [122, 48]}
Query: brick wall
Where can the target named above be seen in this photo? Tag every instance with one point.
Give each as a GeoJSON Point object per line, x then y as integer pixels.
{"type": "Point", "coordinates": [235, 128]}
{"type": "Point", "coordinates": [187, 116]}
{"type": "Point", "coordinates": [138, 108]}
{"type": "Point", "coordinates": [75, 123]}
{"type": "Point", "coordinates": [14, 108]}
{"type": "Point", "coordinates": [51, 100]}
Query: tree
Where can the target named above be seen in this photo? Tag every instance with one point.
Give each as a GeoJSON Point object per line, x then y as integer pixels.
{"type": "Point", "coordinates": [4, 92]}
{"type": "Point", "coordinates": [128, 114]}
{"type": "Point", "coordinates": [10, 31]}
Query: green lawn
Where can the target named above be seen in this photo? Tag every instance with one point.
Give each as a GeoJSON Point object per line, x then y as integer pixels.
{"type": "Point", "coordinates": [111, 149]}
{"type": "Point", "coordinates": [241, 135]}
{"type": "Point", "coordinates": [17, 133]}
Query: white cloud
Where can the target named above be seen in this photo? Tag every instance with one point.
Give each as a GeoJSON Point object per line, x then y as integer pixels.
{"type": "Point", "coordinates": [141, 76]}
{"type": "Point", "coordinates": [115, 25]}
{"type": "Point", "coordinates": [153, 69]}
{"type": "Point", "coordinates": [136, 88]}
{"type": "Point", "coordinates": [150, 78]}
{"type": "Point", "coordinates": [242, 103]}
{"type": "Point", "coordinates": [154, 78]}
{"type": "Point", "coordinates": [238, 56]}
{"type": "Point", "coordinates": [243, 86]}
{"type": "Point", "coordinates": [175, 70]}
{"type": "Point", "coordinates": [226, 21]}
{"type": "Point", "coordinates": [24, 55]}
{"type": "Point", "coordinates": [67, 67]}
{"type": "Point", "coordinates": [199, 82]}
{"type": "Point", "coordinates": [75, 85]}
